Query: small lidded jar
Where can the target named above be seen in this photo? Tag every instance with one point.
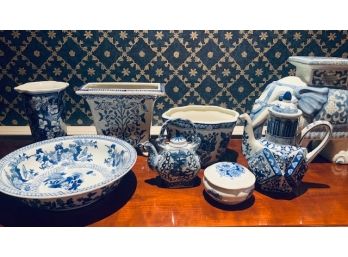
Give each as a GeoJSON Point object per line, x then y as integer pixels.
{"type": "Point", "coordinates": [228, 182]}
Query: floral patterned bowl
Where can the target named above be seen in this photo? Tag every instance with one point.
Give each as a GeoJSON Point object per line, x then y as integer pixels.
{"type": "Point", "coordinates": [66, 172]}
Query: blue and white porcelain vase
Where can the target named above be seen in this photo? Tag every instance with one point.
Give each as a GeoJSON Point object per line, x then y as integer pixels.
{"type": "Point", "coordinates": [122, 109]}
{"type": "Point", "coordinates": [177, 161]}
{"type": "Point", "coordinates": [44, 106]}
{"type": "Point", "coordinates": [277, 160]}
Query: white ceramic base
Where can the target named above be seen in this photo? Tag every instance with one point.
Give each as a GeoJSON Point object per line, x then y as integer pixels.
{"type": "Point", "coordinates": [237, 197]}
{"type": "Point", "coordinates": [336, 151]}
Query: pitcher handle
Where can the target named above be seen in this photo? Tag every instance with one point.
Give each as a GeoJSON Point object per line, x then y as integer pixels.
{"type": "Point", "coordinates": [328, 127]}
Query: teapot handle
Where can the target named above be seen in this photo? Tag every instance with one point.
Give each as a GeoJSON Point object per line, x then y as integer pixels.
{"type": "Point", "coordinates": [187, 124]}
{"type": "Point", "coordinates": [328, 129]}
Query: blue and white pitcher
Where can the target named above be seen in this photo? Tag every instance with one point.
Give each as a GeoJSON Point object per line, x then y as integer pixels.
{"type": "Point", "coordinates": [277, 160]}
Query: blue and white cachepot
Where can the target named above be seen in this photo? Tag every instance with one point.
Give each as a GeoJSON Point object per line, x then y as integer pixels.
{"type": "Point", "coordinates": [44, 106]}
{"type": "Point", "coordinates": [122, 109]}
{"type": "Point", "coordinates": [214, 126]}
{"type": "Point", "coordinates": [278, 160]}
{"type": "Point", "coordinates": [67, 172]}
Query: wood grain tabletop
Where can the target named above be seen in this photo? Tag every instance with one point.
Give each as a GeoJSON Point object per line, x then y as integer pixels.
{"type": "Point", "coordinates": [141, 200]}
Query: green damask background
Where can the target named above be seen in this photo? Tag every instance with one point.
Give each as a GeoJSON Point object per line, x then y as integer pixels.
{"type": "Point", "coordinates": [225, 68]}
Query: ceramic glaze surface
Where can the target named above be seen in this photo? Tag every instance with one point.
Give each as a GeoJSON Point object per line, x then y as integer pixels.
{"type": "Point", "coordinates": [315, 103]}
{"type": "Point", "coordinates": [123, 110]}
{"type": "Point", "coordinates": [214, 128]}
{"type": "Point", "coordinates": [277, 160]}
{"type": "Point", "coordinates": [67, 172]}
{"type": "Point", "coordinates": [177, 161]}
{"type": "Point", "coordinates": [322, 71]}
{"type": "Point", "coordinates": [225, 169]}
{"type": "Point", "coordinates": [44, 107]}
{"type": "Point", "coordinates": [228, 183]}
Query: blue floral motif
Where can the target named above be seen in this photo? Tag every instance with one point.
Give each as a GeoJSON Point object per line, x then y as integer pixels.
{"type": "Point", "coordinates": [214, 138]}
{"type": "Point", "coordinates": [330, 78]}
{"type": "Point", "coordinates": [178, 168]}
{"type": "Point", "coordinates": [226, 169]}
{"type": "Point", "coordinates": [44, 113]}
{"type": "Point", "coordinates": [58, 180]}
{"type": "Point", "coordinates": [114, 159]}
{"type": "Point", "coordinates": [65, 173]}
{"type": "Point", "coordinates": [75, 152]}
{"type": "Point", "coordinates": [122, 116]}
{"type": "Point", "coordinates": [18, 176]}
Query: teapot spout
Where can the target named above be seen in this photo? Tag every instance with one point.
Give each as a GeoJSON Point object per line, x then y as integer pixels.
{"type": "Point", "coordinates": [249, 144]}
{"type": "Point", "coordinates": [153, 154]}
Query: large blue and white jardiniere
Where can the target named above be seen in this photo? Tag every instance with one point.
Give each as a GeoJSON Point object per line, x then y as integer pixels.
{"type": "Point", "coordinates": [44, 106]}
{"type": "Point", "coordinates": [66, 172]}
{"type": "Point", "coordinates": [214, 126]}
{"type": "Point", "coordinates": [121, 109]}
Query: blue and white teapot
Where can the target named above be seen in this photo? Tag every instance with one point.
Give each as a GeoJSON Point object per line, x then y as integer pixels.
{"type": "Point", "coordinates": [277, 160]}
{"type": "Point", "coordinates": [177, 161]}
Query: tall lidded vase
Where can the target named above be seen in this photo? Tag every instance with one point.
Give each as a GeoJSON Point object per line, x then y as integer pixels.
{"type": "Point", "coordinates": [44, 107]}
{"type": "Point", "coordinates": [122, 109]}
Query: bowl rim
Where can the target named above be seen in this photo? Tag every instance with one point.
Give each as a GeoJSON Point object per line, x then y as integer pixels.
{"type": "Point", "coordinates": [100, 185]}
{"type": "Point", "coordinates": [166, 115]}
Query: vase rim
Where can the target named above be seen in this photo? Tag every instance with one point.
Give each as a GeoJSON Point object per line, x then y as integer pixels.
{"type": "Point", "coordinates": [41, 87]}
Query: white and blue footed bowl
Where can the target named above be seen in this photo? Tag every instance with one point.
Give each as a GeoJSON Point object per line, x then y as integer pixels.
{"type": "Point", "coordinates": [66, 172]}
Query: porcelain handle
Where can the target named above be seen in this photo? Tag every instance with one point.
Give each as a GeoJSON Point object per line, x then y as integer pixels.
{"type": "Point", "coordinates": [328, 128]}
{"type": "Point", "coordinates": [188, 123]}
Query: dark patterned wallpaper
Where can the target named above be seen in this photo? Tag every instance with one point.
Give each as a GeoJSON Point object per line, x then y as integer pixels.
{"type": "Point", "coordinates": [226, 68]}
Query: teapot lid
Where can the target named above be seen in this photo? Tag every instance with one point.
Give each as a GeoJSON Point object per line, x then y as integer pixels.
{"type": "Point", "coordinates": [229, 175]}
{"type": "Point", "coordinates": [178, 141]}
{"type": "Point", "coordinates": [285, 107]}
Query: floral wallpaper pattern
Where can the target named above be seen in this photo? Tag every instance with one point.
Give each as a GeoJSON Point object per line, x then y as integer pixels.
{"type": "Point", "coordinates": [225, 68]}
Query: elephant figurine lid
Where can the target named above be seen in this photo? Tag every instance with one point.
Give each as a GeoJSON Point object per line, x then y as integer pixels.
{"type": "Point", "coordinates": [285, 107]}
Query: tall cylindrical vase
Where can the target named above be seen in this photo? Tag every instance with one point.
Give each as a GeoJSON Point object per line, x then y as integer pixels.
{"type": "Point", "coordinates": [44, 106]}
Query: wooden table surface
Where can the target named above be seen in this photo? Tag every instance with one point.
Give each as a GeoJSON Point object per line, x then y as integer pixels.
{"type": "Point", "coordinates": [140, 200]}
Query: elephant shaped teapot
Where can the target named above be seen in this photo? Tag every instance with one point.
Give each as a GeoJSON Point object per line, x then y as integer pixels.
{"type": "Point", "coordinates": [176, 161]}
{"type": "Point", "coordinates": [277, 160]}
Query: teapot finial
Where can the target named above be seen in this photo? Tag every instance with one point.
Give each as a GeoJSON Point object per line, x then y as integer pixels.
{"type": "Point", "coordinates": [287, 96]}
